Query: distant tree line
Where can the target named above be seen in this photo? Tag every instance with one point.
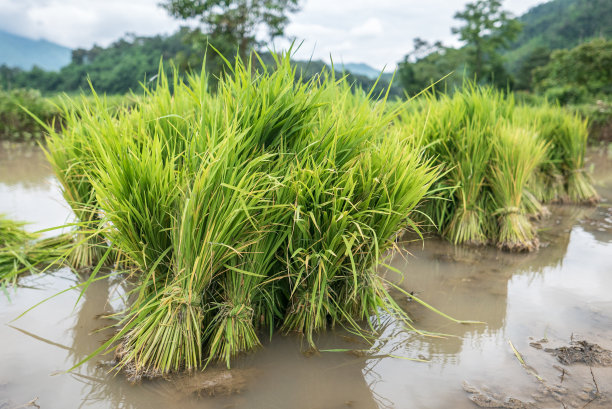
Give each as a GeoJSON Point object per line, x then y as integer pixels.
{"type": "Point", "coordinates": [114, 69]}
{"type": "Point", "coordinates": [532, 53]}
{"type": "Point", "coordinates": [497, 50]}
{"type": "Point", "coordinates": [132, 61]}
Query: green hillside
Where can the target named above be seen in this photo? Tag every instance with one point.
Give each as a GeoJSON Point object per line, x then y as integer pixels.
{"type": "Point", "coordinates": [560, 24]}
{"type": "Point", "coordinates": [360, 69]}
{"type": "Point", "coordinates": [123, 65]}
{"type": "Point", "coordinates": [22, 52]}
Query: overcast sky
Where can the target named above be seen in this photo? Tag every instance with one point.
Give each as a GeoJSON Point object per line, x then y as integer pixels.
{"type": "Point", "coordinates": [377, 32]}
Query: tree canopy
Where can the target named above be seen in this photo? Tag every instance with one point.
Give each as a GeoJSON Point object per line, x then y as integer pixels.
{"type": "Point", "coordinates": [573, 75]}
{"type": "Point", "coordinates": [235, 23]}
{"type": "Point", "coordinates": [486, 29]}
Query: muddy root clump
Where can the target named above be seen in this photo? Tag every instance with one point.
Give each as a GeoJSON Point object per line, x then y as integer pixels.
{"type": "Point", "coordinates": [520, 247]}
{"type": "Point", "coordinates": [582, 352]}
{"type": "Point", "coordinates": [132, 372]}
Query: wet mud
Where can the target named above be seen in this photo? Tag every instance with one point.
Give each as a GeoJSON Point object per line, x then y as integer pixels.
{"type": "Point", "coordinates": [214, 382]}
{"type": "Point", "coordinates": [566, 389]}
{"type": "Point", "coordinates": [582, 352]}
{"type": "Point", "coordinates": [485, 398]}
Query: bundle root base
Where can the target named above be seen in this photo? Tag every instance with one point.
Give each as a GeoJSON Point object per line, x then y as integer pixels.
{"type": "Point", "coordinates": [129, 368]}
{"type": "Point", "coordinates": [520, 247]}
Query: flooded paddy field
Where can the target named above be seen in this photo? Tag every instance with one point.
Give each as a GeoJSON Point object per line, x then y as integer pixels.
{"type": "Point", "coordinates": [544, 342]}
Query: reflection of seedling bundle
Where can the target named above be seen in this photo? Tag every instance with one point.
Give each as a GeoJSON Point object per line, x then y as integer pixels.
{"type": "Point", "coordinates": [267, 204]}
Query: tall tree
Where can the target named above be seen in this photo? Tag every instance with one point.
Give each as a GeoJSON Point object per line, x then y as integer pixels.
{"type": "Point", "coordinates": [486, 29]}
{"type": "Point", "coordinates": [235, 22]}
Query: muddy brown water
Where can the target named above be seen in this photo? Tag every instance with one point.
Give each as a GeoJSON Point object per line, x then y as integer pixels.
{"type": "Point", "coordinates": [561, 294]}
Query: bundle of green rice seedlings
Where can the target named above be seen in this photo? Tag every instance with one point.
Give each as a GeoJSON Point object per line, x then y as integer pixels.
{"type": "Point", "coordinates": [216, 143]}
{"type": "Point", "coordinates": [471, 152]}
{"type": "Point", "coordinates": [517, 153]}
{"type": "Point", "coordinates": [139, 193]}
{"type": "Point", "coordinates": [457, 133]}
{"type": "Point", "coordinates": [530, 203]}
{"type": "Point", "coordinates": [266, 204]}
{"type": "Point", "coordinates": [31, 257]}
{"type": "Point", "coordinates": [488, 187]}
{"type": "Point", "coordinates": [345, 219]}
{"type": "Point", "coordinates": [279, 111]}
{"type": "Point", "coordinates": [353, 187]}
{"type": "Point", "coordinates": [13, 238]}
{"type": "Point", "coordinates": [562, 177]}
{"type": "Point", "coordinates": [217, 226]}
{"type": "Point", "coordinates": [12, 232]}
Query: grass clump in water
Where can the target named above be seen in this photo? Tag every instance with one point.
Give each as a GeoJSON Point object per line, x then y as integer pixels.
{"type": "Point", "coordinates": [267, 204]}
{"type": "Point", "coordinates": [562, 177]}
{"type": "Point", "coordinates": [518, 152]}
{"type": "Point", "coordinates": [500, 162]}
{"type": "Point", "coordinates": [22, 252]}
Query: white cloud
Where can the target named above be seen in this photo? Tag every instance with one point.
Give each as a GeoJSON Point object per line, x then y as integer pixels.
{"type": "Point", "coordinates": [375, 32]}
{"type": "Point", "coordinates": [78, 23]}
{"type": "Point", "coordinates": [380, 32]}
{"type": "Point", "coordinates": [372, 27]}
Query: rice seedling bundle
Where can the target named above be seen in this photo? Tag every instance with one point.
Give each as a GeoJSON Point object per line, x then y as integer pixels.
{"type": "Point", "coordinates": [12, 232]}
{"type": "Point", "coordinates": [487, 161]}
{"type": "Point", "coordinates": [69, 152]}
{"type": "Point", "coordinates": [501, 163]}
{"type": "Point", "coordinates": [267, 204]}
{"type": "Point", "coordinates": [518, 152]}
{"type": "Point", "coordinates": [457, 132]}
{"type": "Point", "coordinates": [562, 177]}
{"type": "Point", "coordinates": [21, 252]}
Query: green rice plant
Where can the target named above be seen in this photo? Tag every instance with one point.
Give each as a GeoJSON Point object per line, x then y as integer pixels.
{"type": "Point", "coordinates": [345, 219]}
{"type": "Point", "coordinates": [216, 229]}
{"type": "Point", "coordinates": [530, 203]}
{"type": "Point", "coordinates": [266, 204]}
{"type": "Point", "coordinates": [457, 133]}
{"type": "Point", "coordinates": [517, 153]}
{"type": "Point", "coordinates": [492, 162]}
{"type": "Point", "coordinates": [562, 176]}
{"type": "Point", "coordinates": [69, 153]}
{"type": "Point", "coordinates": [21, 252]}
{"type": "Point", "coordinates": [33, 257]}
{"type": "Point", "coordinates": [12, 232]}
{"type": "Point", "coordinates": [472, 152]}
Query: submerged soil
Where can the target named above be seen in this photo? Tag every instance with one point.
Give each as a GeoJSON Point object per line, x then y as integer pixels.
{"type": "Point", "coordinates": [554, 305]}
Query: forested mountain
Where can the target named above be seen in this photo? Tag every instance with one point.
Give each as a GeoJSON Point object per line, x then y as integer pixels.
{"type": "Point", "coordinates": [125, 64]}
{"type": "Point", "coordinates": [551, 26]}
{"type": "Point", "coordinates": [22, 52]}
{"type": "Point", "coordinates": [113, 69]}
{"type": "Point", "coordinates": [559, 24]}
